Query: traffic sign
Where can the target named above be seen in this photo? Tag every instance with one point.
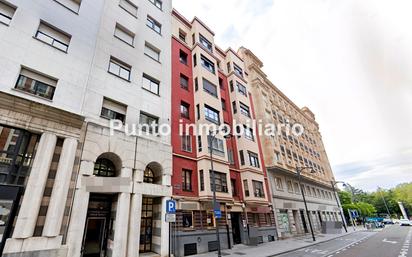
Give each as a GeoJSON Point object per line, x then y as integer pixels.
{"type": "Point", "coordinates": [218, 214]}
{"type": "Point", "coordinates": [170, 206]}
{"type": "Point", "coordinates": [170, 217]}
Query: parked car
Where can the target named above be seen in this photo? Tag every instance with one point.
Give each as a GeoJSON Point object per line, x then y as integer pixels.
{"type": "Point", "coordinates": [405, 222]}
{"type": "Point", "coordinates": [388, 221]}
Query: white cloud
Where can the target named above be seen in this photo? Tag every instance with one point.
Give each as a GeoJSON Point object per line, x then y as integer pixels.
{"type": "Point", "coordinates": [350, 61]}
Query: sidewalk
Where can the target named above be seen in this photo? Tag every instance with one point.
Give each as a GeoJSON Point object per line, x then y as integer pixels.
{"type": "Point", "coordinates": [281, 246]}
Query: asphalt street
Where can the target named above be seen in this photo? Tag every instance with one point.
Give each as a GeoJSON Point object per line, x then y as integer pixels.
{"type": "Point", "coordinates": [393, 241]}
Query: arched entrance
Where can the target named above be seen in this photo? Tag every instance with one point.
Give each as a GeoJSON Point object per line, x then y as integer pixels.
{"type": "Point", "coordinates": [100, 215]}
{"type": "Point", "coordinates": [151, 175]}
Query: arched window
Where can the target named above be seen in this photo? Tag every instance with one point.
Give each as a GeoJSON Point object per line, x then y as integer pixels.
{"type": "Point", "coordinates": [148, 176]}
{"type": "Point", "coordinates": [104, 168]}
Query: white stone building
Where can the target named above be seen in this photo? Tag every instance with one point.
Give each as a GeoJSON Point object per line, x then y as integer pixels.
{"type": "Point", "coordinates": [68, 187]}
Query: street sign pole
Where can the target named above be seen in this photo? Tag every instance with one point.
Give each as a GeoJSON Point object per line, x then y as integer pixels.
{"type": "Point", "coordinates": [351, 219]}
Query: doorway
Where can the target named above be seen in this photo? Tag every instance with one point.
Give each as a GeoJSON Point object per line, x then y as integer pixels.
{"type": "Point", "coordinates": [97, 226]}
{"type": "Point", "coordinates": [146, 225]}
{"type": "Point", "coordinates": [235, 219]}
{"type": "Point", "coordinates": [305, 227]}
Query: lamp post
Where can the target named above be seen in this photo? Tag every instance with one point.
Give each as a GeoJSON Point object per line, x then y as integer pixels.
{"type": "Point", "coordinates": [298, 172]}
{"type": "Point", "coordinates": [212, 137]}
{"type": "Point", "coordinates": [333, 183]}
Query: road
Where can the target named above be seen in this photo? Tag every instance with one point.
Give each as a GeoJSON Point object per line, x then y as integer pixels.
{"type": "Point", "coordinates": [393, 241]}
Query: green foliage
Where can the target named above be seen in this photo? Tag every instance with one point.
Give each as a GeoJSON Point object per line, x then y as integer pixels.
{"type": "Point", "coordinates": [373, 203]}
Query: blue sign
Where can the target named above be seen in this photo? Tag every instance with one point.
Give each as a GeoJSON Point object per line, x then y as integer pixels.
{"type": "Point", "coordinates": [171, 206]}
{"type": "Point", "coordinates": [354, 213]}
{"type": "Point", "coordinates": [218, 214]}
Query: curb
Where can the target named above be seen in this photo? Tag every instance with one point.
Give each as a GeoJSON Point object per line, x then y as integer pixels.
{"type": "Point", "coordinates": [312, 244]}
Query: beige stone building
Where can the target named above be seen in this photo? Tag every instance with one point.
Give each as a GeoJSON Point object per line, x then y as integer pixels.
{"type": "Point", "coordinates": [69, 187]}
{"type": "Point", "coordinates": [286, 151]}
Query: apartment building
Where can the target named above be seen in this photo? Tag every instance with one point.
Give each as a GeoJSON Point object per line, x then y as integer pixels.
{"type": "Point", "coordinates": [287, 151]}
{"type": "Point", "coordinates": [209, 86]}
{"type": "Point", "coordinates": [69, 186]}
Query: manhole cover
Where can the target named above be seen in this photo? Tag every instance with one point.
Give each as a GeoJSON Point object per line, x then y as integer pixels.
{"type": "Point", "coordinates": [225, 254]}
{"type": "Point", "coordinates": [239, 253]}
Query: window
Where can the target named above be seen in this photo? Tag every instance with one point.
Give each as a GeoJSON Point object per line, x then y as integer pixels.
{"type": "Point", "coordinates": [157, 3]}
{"type": "Point", "coordinates": [212, 115]}
{"type": "Point", "coordinates": [246, 188]}
{"type": "Point", "coordinates": [183, 57]}
{"type": "Point", "coordinates": [182, 35]}
{"type": "Point", "coordinates": [184, 110]}
{"type": "Point", "coordinates": [198, 111]}
{"type": "Point", "coordinates": [231, 85]}
{"type": "Point", "coordinates": [154, 25]}
{"type": "Point", "coordinates": [210, 219]}
{"type": "Point", "coordinates": [119, 68]}
{"type": "Point", "coordinates": [129, 7]}
{"type": "Point", "coordinates": [228, 67]}
{"type": "Point", "coordinates": [258, 189]}
{"type": "Point", "coordinates": [184, 82]}
{"type": "Point", "coordinates": [296, 188]}
{"type": "Point", "coordinates": [238, 70]}
{"type": "Point", "coordinates": [72, 5]}
{"type": "Point", "coordinates": [234, 107]}
{"type": "Point", "coordinates": [152, 52]}
{"type": "Point", "coordinates": [254, 160]}
{"type": "Point", "coordinates": [186, 141]}
{"type": "Point", "coordinates": [6, 12]}
{"type": "Point", "coordinates": [249, 133]}
{"type": "Point", "coordinates": [290, 186]}
{"type": "Point", "coordinates": [113, 110]}
{"type": "Point", "coordinates": [150, 123]}
{"type": "Point", "coordinates": [201, 180]}
{"type": "Point", "coordinates": [279, 184]}
{"type": "Point", "coordinates": [223, 104]}
{"type": "Point", "coordinates": [241, 88]}
{"type": "Point", "coordinates": [194, 60]}
{"type": "Point", "coordinates": [206, 43]}
{"type": "Point", "coordinates": [36, 84]}
{"type": "Point", "coordinates": [230, 156]}
{"type": "Point", "coordinates": [187, 219]}
{"type": "Point", "coordinates": [196, 84]}
{"type": "Point", "coordinates": [220, 182]}
{"type": "Point", "coordinates": [151, 84]}
{"type": "Point", "coordinates": [186, 180]}
{"type": "Point", "coordinates": [244, 109]}
{"type": "Point", "coordinates": [124, 34]}
{"type": "Point", "coordinates": [207, 64]}
{"type": "Point", "coordinates": [209, 87]}
{"type": "Point", "coordinates": [104, 168]}
{"type": "Point", "coordinates": [148, 175]}
{"type": "Point", "coordinates": [233, 184]}
{"type": "Point", "coordinates": [199, 143]}
{"type": "Point", "coordinates": [242, 157]}
{"type": "Point", "coordinates": [218, 146]}
{"type": "Point", "coordinates": [53, 36]}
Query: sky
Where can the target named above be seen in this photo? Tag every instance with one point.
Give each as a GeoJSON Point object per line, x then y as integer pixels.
{"type": "Point", "coordinates": [349, 61]}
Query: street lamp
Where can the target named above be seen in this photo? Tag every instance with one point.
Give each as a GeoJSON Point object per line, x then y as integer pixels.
{"type": "Point", "coordinates": [298, 172]}
{"type": "Point", "coordinates": [333, 183]}
{"type": "Point", "coordinates": [212, 137]}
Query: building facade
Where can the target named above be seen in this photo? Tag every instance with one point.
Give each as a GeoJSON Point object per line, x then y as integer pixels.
{"type": "Point", "coordinates": [287, 151]}
{"type": "Point", "coordinates": [209, 87]}
{"type": "Point", "coordinates": [69, 184]}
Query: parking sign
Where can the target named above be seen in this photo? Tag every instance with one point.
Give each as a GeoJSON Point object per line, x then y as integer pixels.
{"type": "Point", "coordinates": [171, 206]}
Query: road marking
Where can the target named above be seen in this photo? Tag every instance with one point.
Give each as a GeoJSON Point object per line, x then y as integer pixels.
{"type": "Point", "coordinates": [387, 241]}
{"type": "Point", "coordinates": [405, 247]}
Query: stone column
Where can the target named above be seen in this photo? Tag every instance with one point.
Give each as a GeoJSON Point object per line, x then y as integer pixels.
{"type": "Point", "coordinates": [30, 206]}
{"type": "Point", "coordinates": [122, 219]}
{"type": "Point", "coordinates": [57, 204]}
{"type": "Point", "coordinates": [134, 225]}
{"type": "Point", "coordinates": [122, 223]}
{"type": "Point", "coordinates": [164, 246]}
{"type": "Point", "coordinates": [79, 211]}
